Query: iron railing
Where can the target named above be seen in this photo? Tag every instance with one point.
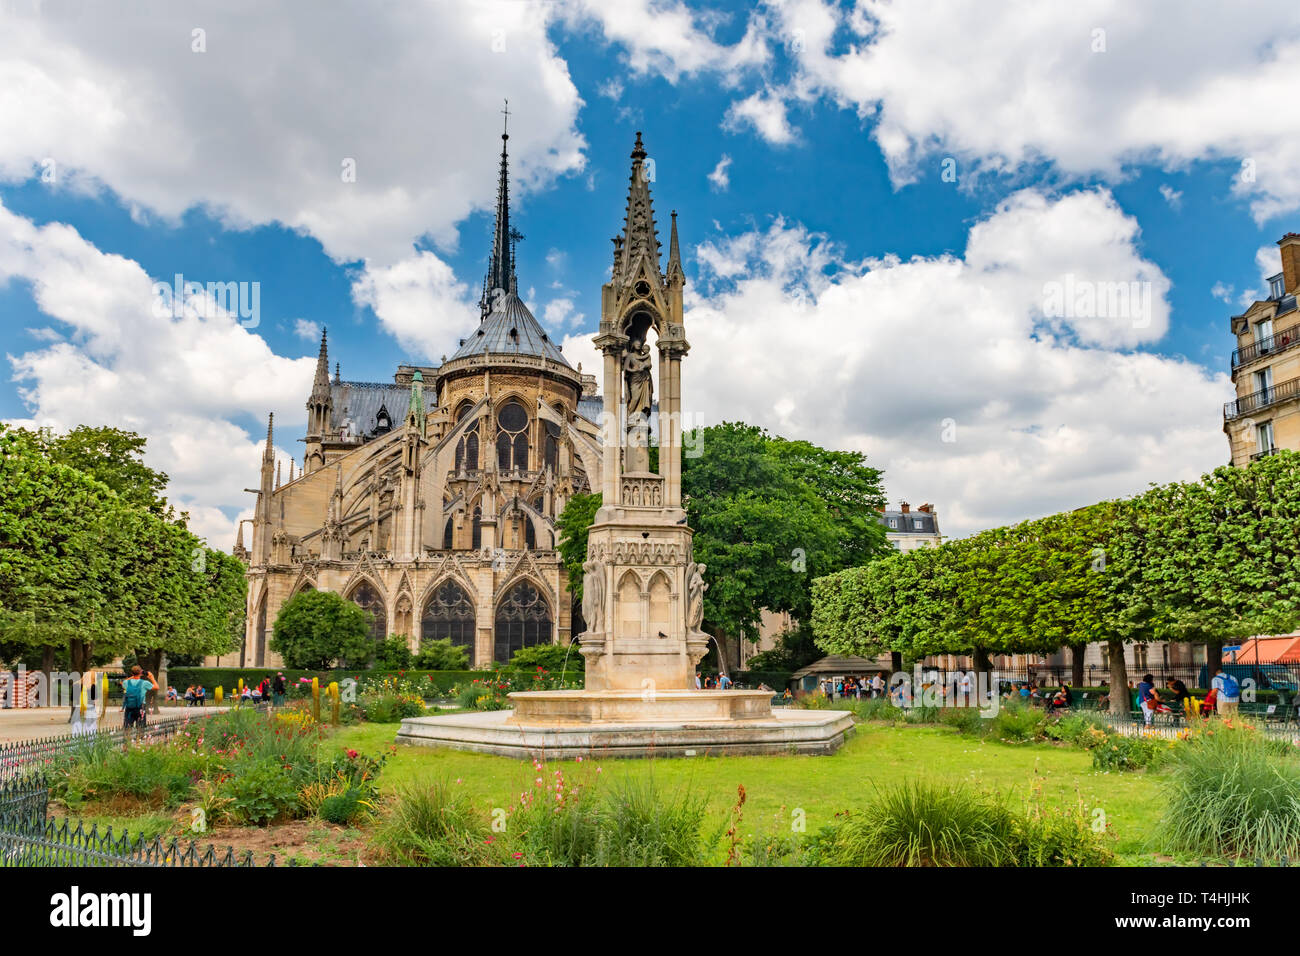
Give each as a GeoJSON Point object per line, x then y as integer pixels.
{"type": "Point", "coordinates": [1263, 398]}
{"type": "Point", "coordinates": [24, 755]}
{"type": "Point", "coordinates": [1279, 341]}
{"type": "Point", "coordinates": [29, 839]}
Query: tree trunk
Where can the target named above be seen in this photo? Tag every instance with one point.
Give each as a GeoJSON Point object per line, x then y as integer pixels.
{"type": "Point", "coordinates": [1119, 698]}
{"type": "Point", "coordinates": [1077, 652]}
{"type": "Point", "coordinates": [896, 662]}
{"type": "Point", "coordinates": [47, 664]}
{"type": "Point", "coordinates": [1213, 657]}
{"type": "Point", "coordinates": [980, 659]}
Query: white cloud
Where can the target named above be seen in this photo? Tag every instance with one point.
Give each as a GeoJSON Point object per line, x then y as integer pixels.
{"type": "Point", "coordinates": [180, 381]}
{"type": "Point", "coordinates": [667, 38]}
{"type": "Point", "coordinates": [561, 312]}
{"type": "Point", "coordinates": [257, 128]}
{"type": "Point", "coordinates": [878, 355]}
{"type": "Point", "coordinates": [719, 178]}
{"type": "Point", "coordinates": [1172, 196]}
{"type": "Point", "coordinates": [1007, 85]}
{"type": "Point", "coordinates": [420, 302]}
{"type": "Point", "coordinates": [306, 329]}
{"type": "Point", "coordinates": [765, 113]}
{"type": "Point", "coordinates": [1222, 292]}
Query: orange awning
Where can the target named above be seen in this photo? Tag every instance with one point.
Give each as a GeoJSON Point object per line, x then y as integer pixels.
{"type": "Point", "coordinates": [1283, 649]}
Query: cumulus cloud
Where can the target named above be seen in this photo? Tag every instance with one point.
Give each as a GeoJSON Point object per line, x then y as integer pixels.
{"type": "Point", "coordinates": [1090, 87]}
{"type": "Point", "coordinates": [181, 380]}
{"type": "Point", "coordinates": [283, 116]}
{"type": "Point", "coordinates": [306, 329]}
{"type": "Point", "coordinates": [420, 302]}
{"type": "Point", "coordinates": [895, 356]}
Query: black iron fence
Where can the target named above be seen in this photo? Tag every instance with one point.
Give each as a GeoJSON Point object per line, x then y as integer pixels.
{"type": "Point", "coordinates": [29, 838]}
{"type": "Point", "coordinates": [25, 755]}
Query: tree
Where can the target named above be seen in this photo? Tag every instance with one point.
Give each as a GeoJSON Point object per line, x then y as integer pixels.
{"type": "Point", "coordinates": [113, 457]}
{"type": "Point", "coordinates": [794, 648]}
{"type": "Point", "coordinates": [578, 514]}
{"type": "Point", "coordinates": [316, 629]}
{"type": "Point", "coordinates": [393, 653]}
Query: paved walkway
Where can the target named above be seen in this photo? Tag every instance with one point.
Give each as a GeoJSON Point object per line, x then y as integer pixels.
{"type": "Point", "coordinates": [30, 723]}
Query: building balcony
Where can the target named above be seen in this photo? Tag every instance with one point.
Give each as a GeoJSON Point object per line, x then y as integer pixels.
{"type": "Point", "coordinates": [1279, 341]}
{"type": "Point", "coordinates": [1265, 398]}
{"type": "Point", "coordinates": [1264, 454]}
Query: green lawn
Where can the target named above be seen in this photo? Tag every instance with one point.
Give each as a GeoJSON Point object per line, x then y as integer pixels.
{"type": "Point", "coordinates": [777, 786]}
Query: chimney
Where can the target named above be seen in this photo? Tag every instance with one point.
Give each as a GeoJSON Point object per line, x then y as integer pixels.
{"type": "Point", "coordinates": [905, 507]}
{"type": "Point", "coordinates": [1290, 246]}
{"type": "Point", "coordinates": [927, 508]}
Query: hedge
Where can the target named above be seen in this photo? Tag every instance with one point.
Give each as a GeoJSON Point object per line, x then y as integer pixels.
{"type": "Point", "coordinates": [439, 683]}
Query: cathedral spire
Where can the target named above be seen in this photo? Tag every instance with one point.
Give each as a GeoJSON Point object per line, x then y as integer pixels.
{"type": "Point", "coordinates": [674, 254]}
{"type": "Point", "coordinates": [501, 265]}
{"type": "Point", "coordinates": [321, 384]}
{"type": "Point", "coordinates": [269, 452]}
{"type": "Point", "coordinates": [639, 249]}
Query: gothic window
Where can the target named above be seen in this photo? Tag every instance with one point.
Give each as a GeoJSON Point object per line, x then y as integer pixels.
{"type": "Point", "coordinates": [467, 447]}
{"type": "Point", "coordinates": [383, 421]}
{"type": "Point", "coordinates": [449, 614]}
{"type": "Point", "coordinates": [446, 535]}
{"type": "Point", "coordinates": [512, 437]}
{"type": "Point", "coordinates": [523, 620]}
{"type": "Point", "coordinates": [259, 656]}
{"type": "Point", "coordinates": [552, 452]}
{"type": "Point", "coordinates": [367, 598]}
{"type": "Point", "coordinates": [530, 536]}
{"type": "Point", "coordinates": [476, 541]}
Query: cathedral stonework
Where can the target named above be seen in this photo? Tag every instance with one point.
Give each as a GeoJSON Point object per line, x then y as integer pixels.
{"type": "Point", "coordinates": [431, 502]}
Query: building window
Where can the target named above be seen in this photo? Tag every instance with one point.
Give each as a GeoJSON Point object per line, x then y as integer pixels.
{"type": "Point", "coordinates": [512, 437]}
{"type": "Point", "coordinates": [893, 522]}
{"type": "Point", "coordinates": [449, 615]}
{"type": "Point", "coordinates": [1263, 332]}
{"type": "Point", "coordinates": [447, 535]}
{"type": "Point", "coordinates": [1277, 286]}
{"type": "Point", "coordinates": [552, 452]}
{"type": "Point", "coordinates": [367, 598]}
{"type": "Point", "coordinates": [1264, 437]}
{"type": "Point", "coordinates": [523, 620]}
{"type": "Point", "coordinates": [1264, 380]}
{"type": "Point", "coordinates": [916, 524]}
{"type": "Point", "coordinates": [467, 447]}
{"type": "Point", "coordinates": [476, 539]}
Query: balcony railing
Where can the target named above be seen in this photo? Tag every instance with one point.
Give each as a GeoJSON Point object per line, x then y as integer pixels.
{"type": "Point", "coordinates": [1283, 392]}
{"type": "Point", "coordinates": [1263, 454]}
{"type": "Point", "coordinates": [1277, 342]}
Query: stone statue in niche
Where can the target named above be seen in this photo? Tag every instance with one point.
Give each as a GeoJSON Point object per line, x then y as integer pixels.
{"type": "Point", "coordinates": [695, 588]}
{"type": "Point", "coordinates": [640, 390]}
{"type": "Point", "coordinates": [593, 595]}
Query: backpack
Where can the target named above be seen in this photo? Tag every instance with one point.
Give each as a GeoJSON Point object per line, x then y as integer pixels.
{"type": "Point", "coordinates": [134, 693]}
{"type": "Point", "coordinates": [1230, 687]}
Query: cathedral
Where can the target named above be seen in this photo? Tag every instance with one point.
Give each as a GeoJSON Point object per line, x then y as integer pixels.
{"type": "Point", "coordinates": [431, 501]}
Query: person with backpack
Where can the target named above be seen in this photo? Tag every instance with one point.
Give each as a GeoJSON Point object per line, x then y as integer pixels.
{"type": "Point", "coordinates": [1229, 695]}
{"type": "Point", "coordinates": [135, 695]}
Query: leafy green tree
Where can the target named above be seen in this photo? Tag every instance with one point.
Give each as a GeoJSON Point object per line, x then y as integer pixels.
{"type": "Point", "coordinates": [442, 655]}
{"type": "Point", "coordinates": [316, 629]}
{"type": "Point", "coordinates": [794, 648]}
{"type": "Point", "coordinates": [113, 457]}
{"type": "Point", "coordinates": [572, 524]}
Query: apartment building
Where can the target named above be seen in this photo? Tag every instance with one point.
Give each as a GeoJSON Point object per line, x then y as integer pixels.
{"type": "Point", "coordinates": [1265, 415]}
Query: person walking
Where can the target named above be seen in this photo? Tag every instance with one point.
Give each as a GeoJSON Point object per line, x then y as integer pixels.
{"type": "Point", "coordinates": [134, 698]}
{"type": "Point", "coordinates": [1229, 695]}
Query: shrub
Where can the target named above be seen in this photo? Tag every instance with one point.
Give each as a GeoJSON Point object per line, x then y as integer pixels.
{"type": "Point", "coordinates": [432, 824]}
{"type": "Point", "coordinates": [557, 658]}
{"type": "Point", "coordinates": [1017, 723]}
{"type": "Point", "coordinates": [1234, 792]}
{"type": "Point", "coordinates": [393, 653]}
{"type": "Point", "coordinates": [316, 628]}
{"type": "Point", "coordinates": [1082, 729]}
{"type": "Point", "coordinates": [966, 720]}
{"type": "Point", "coordinates": [641, 826]}
{"type": "Point", "coordinates": [441, 655]}
{"type": "Point", "coordinates": [342, 808]}
{"type": "Point", "coordinates": [390, 708]}
{"type": "Point", "coordinates": [260, 792]}
{"type": "Point", "coordinates": [1051, 836]}
{"type": "Point", "coordinates": [1121, 752]}
{"type": "Point", "coordinates": [815, 700]}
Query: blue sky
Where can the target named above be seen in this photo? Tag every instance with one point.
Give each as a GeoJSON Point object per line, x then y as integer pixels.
{"type": "Point", "coordinates": [840, 289]}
